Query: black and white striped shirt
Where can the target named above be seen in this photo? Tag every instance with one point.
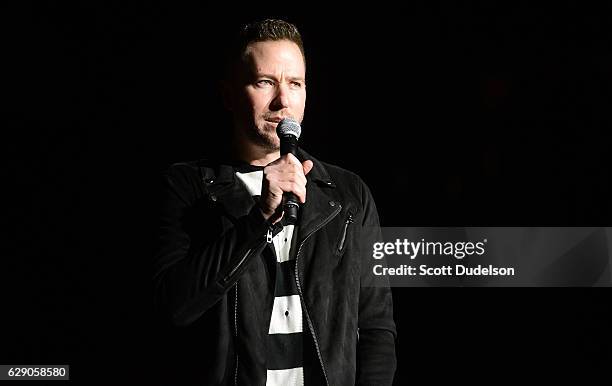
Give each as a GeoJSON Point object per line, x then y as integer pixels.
{"type": "Point", "coordinates": [285, 335]}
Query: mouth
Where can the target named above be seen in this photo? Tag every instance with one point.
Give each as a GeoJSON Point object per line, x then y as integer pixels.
{"type": "Point", "coordinates": [274, 120]}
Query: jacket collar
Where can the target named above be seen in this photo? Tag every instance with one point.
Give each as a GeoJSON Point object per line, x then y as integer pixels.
{"type": "Point", "coordinates": [318, 173]}
{"type": "Point", "coordinates": [224, 188]}
{"type": "Point", "coordinates": [320, 202]}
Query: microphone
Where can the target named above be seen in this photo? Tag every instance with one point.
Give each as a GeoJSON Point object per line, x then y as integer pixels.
{"type": "Point", "coordinates": [289, 131]}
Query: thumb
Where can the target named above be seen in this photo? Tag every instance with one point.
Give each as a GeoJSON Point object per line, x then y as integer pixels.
{"type": "Point", "coordinates": [307, 165]}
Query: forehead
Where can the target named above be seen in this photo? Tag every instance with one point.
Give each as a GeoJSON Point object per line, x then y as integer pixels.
{"type": "Point", "coordinates": [275, 55]}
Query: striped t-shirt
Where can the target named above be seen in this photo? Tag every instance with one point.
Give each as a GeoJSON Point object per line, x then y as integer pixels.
{"type": "Point", "coordinates": [285, 335]}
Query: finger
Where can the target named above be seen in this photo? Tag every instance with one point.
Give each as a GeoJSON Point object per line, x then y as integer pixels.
{"type": "Point", "coordinates": [292, 159]}
{"type": "Point", "coordinates": [300, 193]}
{"type": "Point", "coordinates": [307, 165]}
{"type": "Point", "coordinates": [291, 166]}
{"type": "Point", "coordinates": [293, 187]}
{"type": "Point", "coordinates": [275, 162]}
{"type": "Point", "coordinates": [287, 176]}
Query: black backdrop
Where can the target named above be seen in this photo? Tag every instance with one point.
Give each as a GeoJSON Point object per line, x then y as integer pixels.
{"type": "Point", "coordinates": [453, 115]}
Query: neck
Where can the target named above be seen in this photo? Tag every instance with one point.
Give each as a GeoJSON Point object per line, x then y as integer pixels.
{"type": "Point", "coordinates": [253, 154]}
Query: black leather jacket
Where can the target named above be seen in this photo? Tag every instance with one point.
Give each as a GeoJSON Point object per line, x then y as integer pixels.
{"type": "Point", "coordinates": [213, 285]}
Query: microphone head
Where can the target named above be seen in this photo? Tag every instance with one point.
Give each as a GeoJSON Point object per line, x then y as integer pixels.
{"type": "Point", "coordinates": [288, 126]}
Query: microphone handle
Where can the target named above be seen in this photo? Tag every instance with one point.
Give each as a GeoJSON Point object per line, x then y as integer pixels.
{"type": "Point", "coordinates": [291, 205]}
{"type": "Point", "coordinates": [290, 208]}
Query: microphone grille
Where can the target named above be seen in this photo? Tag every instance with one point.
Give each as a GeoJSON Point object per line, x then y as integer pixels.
{"type": "Point", "coordinates": [288, 126]}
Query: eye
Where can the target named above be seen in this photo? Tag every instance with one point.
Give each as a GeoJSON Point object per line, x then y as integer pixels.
{"type": "Point", "coordinates": [265, 83]}
{"type": "Point", "coordinates": [296, 84]}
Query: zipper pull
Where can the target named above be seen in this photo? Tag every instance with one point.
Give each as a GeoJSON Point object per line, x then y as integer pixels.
{"type": "Point", "coordinates": [269, 235]}
{"type": "Point", "coordinates": [349, 220]}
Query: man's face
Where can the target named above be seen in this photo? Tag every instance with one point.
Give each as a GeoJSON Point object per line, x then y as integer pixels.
{"type": "Point", "coordinates": [270, 87]}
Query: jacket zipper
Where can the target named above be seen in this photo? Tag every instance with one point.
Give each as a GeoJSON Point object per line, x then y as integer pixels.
{"type": "Point", "coordinates": [248, 252]}
{"type": "Point", "coordinates": [269, 237]}
{"type": "Point", "coordinates": [349, 220]}
{"type": "Point", "coordinates": [229, 275]}
{"type": "Point", "coordinates": [299, 287]}
{"type": "Point", "coordinates": [236, 334]}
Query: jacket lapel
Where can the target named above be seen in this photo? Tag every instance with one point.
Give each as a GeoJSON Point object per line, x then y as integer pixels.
{"type": "Point", "coordinates": [227, 191]}
{"type": "Point", "coordinates": [320, 205]}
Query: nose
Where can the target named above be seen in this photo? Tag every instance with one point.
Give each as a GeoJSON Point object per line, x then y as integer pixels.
{"type": "Point", "coordinates": [281, 99]}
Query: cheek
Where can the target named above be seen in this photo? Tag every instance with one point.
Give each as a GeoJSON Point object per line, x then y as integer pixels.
{"type": "Point", "coordinates": [299, 100]}
{"type": "Point", "coordinates": [257, 101]}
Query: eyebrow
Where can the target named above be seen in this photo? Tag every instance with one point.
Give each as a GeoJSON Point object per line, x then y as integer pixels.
{"type": "Point", "coordinates": [291, 78]}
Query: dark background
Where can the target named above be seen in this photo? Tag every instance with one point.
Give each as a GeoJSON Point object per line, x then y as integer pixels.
{"type": "Point", "coordinates": [454, 115]}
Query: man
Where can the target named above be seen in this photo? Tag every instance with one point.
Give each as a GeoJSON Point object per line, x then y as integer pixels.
{"type": "Point", "coordinates": [253, 300]}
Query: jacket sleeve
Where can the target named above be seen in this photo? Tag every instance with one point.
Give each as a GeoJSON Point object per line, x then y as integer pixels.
{"type": "Point", "coordinates": [189, 278]}
{"type": "Point", "coordinates": [376, 361]}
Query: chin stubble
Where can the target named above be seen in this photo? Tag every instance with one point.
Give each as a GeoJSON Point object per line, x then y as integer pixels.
{"type": "Point", "coordinates": [263, 139]}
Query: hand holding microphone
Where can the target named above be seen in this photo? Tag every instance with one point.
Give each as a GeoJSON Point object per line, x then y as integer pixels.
{"type": "Point", "coordinates": [284, 180]}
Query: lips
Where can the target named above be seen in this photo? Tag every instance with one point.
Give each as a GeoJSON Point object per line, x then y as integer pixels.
{"type": "Point", "coordinates": [274, 120]}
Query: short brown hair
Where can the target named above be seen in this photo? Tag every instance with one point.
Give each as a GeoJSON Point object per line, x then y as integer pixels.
{"type": "Point", "coordinates": [261, 31]}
